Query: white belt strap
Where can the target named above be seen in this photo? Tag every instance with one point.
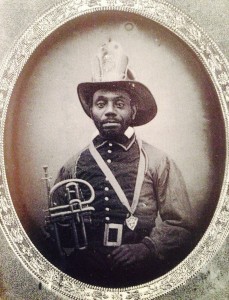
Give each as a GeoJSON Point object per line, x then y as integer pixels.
{"type": "Point", "coordinates": [114, 183]}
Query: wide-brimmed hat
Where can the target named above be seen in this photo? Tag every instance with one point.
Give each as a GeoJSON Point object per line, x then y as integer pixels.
{"type": "Point", "coordinates": [111, 72]}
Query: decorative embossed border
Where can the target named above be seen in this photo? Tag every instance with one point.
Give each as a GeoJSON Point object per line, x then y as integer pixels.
{"type": "Point", "coordinates": [217, 67]}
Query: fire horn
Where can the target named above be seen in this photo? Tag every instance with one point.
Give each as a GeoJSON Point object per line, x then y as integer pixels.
{"type": "Point", "coordinates": [68, 212]}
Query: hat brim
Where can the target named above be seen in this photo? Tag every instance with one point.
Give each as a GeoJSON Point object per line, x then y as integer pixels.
{"type": "Point", "coordinates": [139, 93]}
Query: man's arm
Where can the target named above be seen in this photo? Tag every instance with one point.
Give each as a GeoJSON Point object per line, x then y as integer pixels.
{"type": "Point", "coordinates": [172, 238]}
{"type": "Point", "coordinates": [66, 172]}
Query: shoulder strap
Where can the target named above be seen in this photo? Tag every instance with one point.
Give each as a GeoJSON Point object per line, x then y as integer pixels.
{"type": "Point", "coordinates": [114, 183]}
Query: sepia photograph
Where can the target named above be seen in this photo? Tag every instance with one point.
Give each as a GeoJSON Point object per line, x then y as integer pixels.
{"type": "Point", "coordinates": [114, 150]}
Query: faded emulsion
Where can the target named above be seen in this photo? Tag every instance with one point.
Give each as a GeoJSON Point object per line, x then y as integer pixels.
{"type": "Point", "coordinates": [46, 124]}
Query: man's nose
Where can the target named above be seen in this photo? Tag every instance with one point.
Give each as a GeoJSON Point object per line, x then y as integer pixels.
{"type": "Point", "coordinates": [110, 109]}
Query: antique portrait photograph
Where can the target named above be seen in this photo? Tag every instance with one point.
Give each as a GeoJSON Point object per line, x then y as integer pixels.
{"type": "Point", "coordinates": [114, 150]}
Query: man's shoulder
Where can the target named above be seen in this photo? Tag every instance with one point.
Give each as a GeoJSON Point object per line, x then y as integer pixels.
{"type": "Point", "coordinates": [155, 156]}
{"type": "Point", "coordinates": [157, 153]}
{"type": "Point", "coordinates": [73, 159]}
{"type": "Point", "coordinates": [69, 167]}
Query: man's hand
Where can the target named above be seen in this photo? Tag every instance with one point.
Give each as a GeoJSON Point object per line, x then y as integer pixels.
{"type": "Point", "coordinates": [129, 254]}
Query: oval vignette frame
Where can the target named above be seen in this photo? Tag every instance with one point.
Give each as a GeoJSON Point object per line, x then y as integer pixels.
{"type": "Point", "coordinates": [216, 66]}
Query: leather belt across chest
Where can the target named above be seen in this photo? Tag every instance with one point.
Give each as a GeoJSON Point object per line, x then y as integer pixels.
{"type": "Point", "coordinates": [113, 232]}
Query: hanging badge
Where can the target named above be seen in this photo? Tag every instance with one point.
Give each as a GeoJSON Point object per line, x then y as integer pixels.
{"type": "Point", "coordinates": [131, 222]}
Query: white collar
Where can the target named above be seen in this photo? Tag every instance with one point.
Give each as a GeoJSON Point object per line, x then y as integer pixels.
{"type": "Point", "coordinates": [128, 133]}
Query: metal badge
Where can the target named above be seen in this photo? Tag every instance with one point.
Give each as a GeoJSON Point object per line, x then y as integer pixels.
{"type": "Point", "coordinates": [131, 222]}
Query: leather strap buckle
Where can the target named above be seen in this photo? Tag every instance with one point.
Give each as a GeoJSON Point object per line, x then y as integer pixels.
{"type": "Point", "coordinates": [113, 235]}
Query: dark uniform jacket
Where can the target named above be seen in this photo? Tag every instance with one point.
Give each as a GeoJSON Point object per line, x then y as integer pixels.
{"type": "Point", "coordinates": [163, 193]}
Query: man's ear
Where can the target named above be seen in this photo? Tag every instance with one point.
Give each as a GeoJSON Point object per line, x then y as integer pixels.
{"type": "Point", "coordinates": [134, 110]}
{"type": "Point", "coordinates": [90, 111]}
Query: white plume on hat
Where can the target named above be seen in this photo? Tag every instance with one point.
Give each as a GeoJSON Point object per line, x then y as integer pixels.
{"type": "Point", "coordinates": [110, 63]}
{"type": "Point", "coordinates": [110, 71]}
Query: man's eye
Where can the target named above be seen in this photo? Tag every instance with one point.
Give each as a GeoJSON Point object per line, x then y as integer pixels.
{"type": "Point", "coordinates": [120, 104]}
{"type": "Point", "coordinates": [100, 104]}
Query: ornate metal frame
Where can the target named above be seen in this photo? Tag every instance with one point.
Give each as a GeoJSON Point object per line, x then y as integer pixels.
{"type": "Point", "coordinates": [216, 66]}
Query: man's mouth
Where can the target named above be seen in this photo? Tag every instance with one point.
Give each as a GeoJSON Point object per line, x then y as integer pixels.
{"type": "Point", "coordinates": [111, 124]}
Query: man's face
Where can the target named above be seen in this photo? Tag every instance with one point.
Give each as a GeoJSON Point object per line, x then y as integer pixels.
{"type": "Point", "coordinates": [112, 112]}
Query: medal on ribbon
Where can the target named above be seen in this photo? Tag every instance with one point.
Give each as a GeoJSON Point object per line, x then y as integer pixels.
{"type": "Point", "coordinates": [131, 222]}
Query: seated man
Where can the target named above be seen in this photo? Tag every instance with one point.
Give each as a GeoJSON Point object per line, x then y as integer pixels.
{"type": "Point", "coordinates": [133, 183]}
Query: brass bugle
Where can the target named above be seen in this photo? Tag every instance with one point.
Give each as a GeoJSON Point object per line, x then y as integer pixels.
{"type": "Point", "coordinates": [72, 213]}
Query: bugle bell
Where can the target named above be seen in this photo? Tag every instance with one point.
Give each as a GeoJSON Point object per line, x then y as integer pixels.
{"type": "Point", "coordinates": [68, 212]}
